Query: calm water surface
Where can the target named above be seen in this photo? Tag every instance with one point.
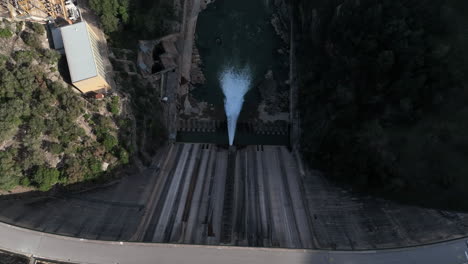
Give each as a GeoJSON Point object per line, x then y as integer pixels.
{"type": "Point", "coordinates": [239, 34]}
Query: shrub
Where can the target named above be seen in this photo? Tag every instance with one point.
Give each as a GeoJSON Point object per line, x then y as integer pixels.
{"type": "Point", "coordinates": [5, 33]}
{"type": "Point", "coordinates": [19, 27]}
{"type": "Point", "coordinates": [124, 123]}
{"type": "Point", "coordinates": [38, 28]}
{"type": "Point", "coordinates": [103, 125]}
{"type": "Point", "coordinates": [36, 126]}
{"type": "Point", "coordinates": [95, 166]}
{"type": "Point", "coordinates": [25, 182]}
{"type": "Point", "coordinates": [31, 40]}
{"type": "Point", "coordinates": [55, 148]}
{"type": "Point", "coordinates": [9, 170]}
{"type": "Point", "coordinates": [111, 12]}
{"type": "Point", "coordinates": [57, 88]}
{"type": "Point", "coordinates": [3, 59]}
{"type": "Point", "coordinates": [123, 155]}
{"type": "Point", "coordinates": [45, 178]}
{"type": "Point", "coordinates": [114, 105]}
{"type": "Point", "coordinates": [10, 119]}
{"type": "Point", "coordinates": [109, 142]}
{"type": "Point", "coordinates": [24, 56]}
{"type": "Point", "coordinates": [51, 56]}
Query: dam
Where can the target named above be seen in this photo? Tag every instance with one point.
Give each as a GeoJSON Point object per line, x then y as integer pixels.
{"type": "Point", "coordinates": [260, 196]}
{"type": "Point", "coordinates": [197, 191]}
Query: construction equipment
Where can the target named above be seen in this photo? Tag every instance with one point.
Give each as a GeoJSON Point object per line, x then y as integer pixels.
{"type": "Point", "coordinates": [41, 9]}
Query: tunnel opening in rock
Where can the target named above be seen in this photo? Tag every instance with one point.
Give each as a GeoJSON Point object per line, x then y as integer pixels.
{"type": "Point", "coordinates": [157, 67]}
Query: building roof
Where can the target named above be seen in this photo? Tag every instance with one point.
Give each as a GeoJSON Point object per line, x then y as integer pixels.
{"type": "Point", "coordinates": [77, 43]}
{"type": "Point", "coordinates": [57, 38]}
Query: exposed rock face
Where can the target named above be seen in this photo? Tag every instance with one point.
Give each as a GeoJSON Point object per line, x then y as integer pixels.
{"type": "Point", "coordinates": [268, 87]}
{"type": "Point", "coordinates": [205, 3]}
{"type": "Point", "coordinates": [196, 73]}
{"type": "Point", "coordinates": [274, 99]}
{"type": "Point", "coordinates": [273, 90]}
{"type": "Point", "coordinates": [281, 19]}
{"type": "Point", "coordinates": [158, 55]}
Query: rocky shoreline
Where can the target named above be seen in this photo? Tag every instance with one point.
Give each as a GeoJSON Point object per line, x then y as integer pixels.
{"type": "Point", "coordinates": [281, 20]}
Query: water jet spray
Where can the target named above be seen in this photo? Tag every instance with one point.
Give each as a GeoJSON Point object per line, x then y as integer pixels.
{"type": "Point", "coordinates": [235, 83]}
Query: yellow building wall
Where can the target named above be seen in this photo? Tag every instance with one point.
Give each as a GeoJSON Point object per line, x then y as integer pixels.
{"type": "Point", "coordinates": [95, 84]}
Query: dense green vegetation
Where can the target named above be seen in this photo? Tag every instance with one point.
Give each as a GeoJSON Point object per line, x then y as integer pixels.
{"type": "Point", "coordinates": [128, 21]}
{"type": "Point", "coordinates": [114, 105]}
{"type": "Point", "coordinates": [37, 28]}
{"type": "Point", "coordinates": [111, 13]}
{"type": "Point", "coordinates": [383, 96]}
{"type": "Point", "coordinates": [31, 39]}
{"type": "Point", "coordinates": [48, 133]}
{"type": "Point", "coordinates": [147, 112]}
{"type": "Point", "coordinates": [46, 177]}
{"type": "Point", "coordinates": [141, 130]}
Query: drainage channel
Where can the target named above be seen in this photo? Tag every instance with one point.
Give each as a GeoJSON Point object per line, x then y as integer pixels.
{"type": "Point", "coordinates": [226, 231]}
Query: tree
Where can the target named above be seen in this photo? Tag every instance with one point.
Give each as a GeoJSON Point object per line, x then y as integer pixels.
{"type": "Point", "coordinates": [51, 56]}
{"type": "Point", "coordinates": [38, 28]}
{"type": "Point", "coordinates": [46, 177]}
{"type": "Point", "coordinates": [36, 125]}
{"type": "Point", "coordinates": [111, 12]}
{"type": "Point", "coordinates": [123, 156]}
{"type": "Point", "coordinates": [109, 22]}
{"type": "Point", "coordinates": [55, 148]}
{"type": "Point", "coordinates": [31, 157]}
{"type": "Point", "coordinates": [39, 116]}
{"type": "Point", "coordinates": [10, 118]}
{"type": "Point", "coordinates": [31, 39]}
{"type": "Point", "coordinates": [73, 170]}
{"type": "Point", "coordinates": [95, 166]}
{"type": "Point", "coordinates": [24, 56]}
{"type": "Point", "coordinates": [114, 105]}
{"type": "Point", "coordinates": [109, 142]}
{"type": "Point", "coordinates": [10, 173]}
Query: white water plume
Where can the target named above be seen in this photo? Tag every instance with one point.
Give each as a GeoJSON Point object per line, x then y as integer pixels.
{"type": "Point", "coordinates": [235, 84]}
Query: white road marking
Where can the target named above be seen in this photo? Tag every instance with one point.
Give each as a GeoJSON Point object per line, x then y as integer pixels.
{"type": "Point", "coordinates": [466, 255]}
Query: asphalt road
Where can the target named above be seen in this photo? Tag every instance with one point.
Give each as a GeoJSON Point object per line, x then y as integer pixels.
{"type": "Point", "coordinates": [60, 248]}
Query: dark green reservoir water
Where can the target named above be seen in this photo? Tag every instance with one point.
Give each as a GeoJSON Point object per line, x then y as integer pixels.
{"type": "Point", "coordinates": [236, 33]}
